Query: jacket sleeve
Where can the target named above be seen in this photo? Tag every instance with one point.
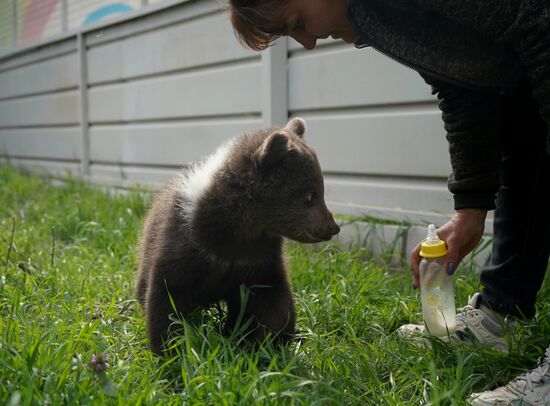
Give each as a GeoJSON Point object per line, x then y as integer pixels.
{"type": "Point", "coordinates": [473, 123]}
{"type": "Point", "coordinates": [522, 25]}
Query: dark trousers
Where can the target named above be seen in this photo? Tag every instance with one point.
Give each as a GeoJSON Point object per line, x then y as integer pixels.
{"type": "Point", "coordinates": [521, 241]}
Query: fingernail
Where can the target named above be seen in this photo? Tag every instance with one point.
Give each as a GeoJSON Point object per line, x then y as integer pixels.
{"type": "Point", "coordinates": [451, 267]}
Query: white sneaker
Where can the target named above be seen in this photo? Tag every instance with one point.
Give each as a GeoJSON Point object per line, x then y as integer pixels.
{"type": "Point", "coordinates": [475, 323]}
{"type": "Point", "coordinates": [485, 325]}
{"type": "Point", "coordinates": [530, 389]}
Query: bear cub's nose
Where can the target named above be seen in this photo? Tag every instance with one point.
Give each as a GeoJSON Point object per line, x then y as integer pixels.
{"type": "Point", "coordinates": [330, 229]}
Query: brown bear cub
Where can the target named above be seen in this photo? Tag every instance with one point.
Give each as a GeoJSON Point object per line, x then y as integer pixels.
{"type": "Point", "coordinates": [220, 224]}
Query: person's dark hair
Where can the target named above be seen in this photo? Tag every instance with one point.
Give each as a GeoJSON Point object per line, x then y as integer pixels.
{"type": "Point", "coordinates": [257, 23]}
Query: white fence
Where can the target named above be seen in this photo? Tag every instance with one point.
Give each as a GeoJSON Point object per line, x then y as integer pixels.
{"type": "Point", "coordinates": [131, 100]}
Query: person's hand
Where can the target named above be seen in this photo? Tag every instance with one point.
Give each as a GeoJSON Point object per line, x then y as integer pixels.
{"type": "Point", "coordinates": [461, 234]}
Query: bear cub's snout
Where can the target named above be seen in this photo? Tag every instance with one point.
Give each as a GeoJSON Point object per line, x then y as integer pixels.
{"type": "Point", "coordinates": [331, 229]}
{"type": "Point", "coordinates": [219, 226]}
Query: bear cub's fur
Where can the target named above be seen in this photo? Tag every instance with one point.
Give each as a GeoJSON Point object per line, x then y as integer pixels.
{"type": "Point", "coordinates": [220, 224]}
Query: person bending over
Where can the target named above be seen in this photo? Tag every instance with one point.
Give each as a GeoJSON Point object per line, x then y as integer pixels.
{"type": "Point", "coordinates": [488, 62]}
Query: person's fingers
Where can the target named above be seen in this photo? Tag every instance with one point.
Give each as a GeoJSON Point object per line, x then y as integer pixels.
{"type": "Point", "coordinates": [453, 255]}
{"type": "Point", "coordinates": [451, 268]}
{"type": "Point", "coordinates": [415, 261]}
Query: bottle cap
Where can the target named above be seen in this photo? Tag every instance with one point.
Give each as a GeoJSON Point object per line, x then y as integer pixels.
{"type": "Point", "coordinates": [432, 246]}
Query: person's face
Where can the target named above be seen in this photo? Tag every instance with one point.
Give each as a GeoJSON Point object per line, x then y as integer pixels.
{"type": "Point", "coordinates": [309, 20]}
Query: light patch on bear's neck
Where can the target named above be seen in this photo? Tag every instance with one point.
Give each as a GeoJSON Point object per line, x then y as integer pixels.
{"type": "Point", "coordinates": [195, 182]}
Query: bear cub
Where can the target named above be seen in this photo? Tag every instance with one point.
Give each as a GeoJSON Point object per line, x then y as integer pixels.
{"type": "Point", "coordinates": [220, 224]}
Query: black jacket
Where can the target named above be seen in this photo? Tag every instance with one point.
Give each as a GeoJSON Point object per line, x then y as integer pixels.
{"type": "Point", "coordinates": [471, 52]}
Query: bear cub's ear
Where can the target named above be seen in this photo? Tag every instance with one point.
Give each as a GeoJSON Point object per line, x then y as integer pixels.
{"type": "Point", "coordinates": [297, 126]}
{"type": "Point", "coordinates": [273, 149]}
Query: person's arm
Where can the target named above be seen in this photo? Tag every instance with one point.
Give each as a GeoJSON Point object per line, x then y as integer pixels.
{"type": "Point", "coordinates": [473, 124]}
{"type": "Point", "coordinates": [522, 25]}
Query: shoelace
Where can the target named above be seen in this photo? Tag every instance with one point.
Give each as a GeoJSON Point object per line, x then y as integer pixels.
{"type": "Point", "coordinates": [536, 375]}
{"type": "Point", "coordinates": [463, 311]}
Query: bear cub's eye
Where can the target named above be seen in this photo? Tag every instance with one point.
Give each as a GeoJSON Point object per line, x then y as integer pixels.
{"type": "Point", "coordinates": [310, 198]}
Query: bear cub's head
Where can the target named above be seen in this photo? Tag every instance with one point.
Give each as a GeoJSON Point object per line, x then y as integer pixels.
{"type": "Point", "coordinates": [290, 187]}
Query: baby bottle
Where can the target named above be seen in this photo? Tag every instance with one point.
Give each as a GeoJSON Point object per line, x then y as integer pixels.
{"type": "Point", "coordinates": [436, 287]}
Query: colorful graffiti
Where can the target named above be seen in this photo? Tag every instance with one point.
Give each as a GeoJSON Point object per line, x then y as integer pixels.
{"type": "Point", "coordinates": [35, 17]}
{"type": "Point", "coordinates": [107, 11]}
{"type": "Point", "coordinates": [40, 19]}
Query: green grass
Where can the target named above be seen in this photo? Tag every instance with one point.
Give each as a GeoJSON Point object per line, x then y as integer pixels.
{"type": "Point", "coordinates": [66, 272]}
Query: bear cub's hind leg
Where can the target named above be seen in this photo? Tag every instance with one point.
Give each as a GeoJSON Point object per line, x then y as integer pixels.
{"type": "Point", "coordinates": [159, 308]}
